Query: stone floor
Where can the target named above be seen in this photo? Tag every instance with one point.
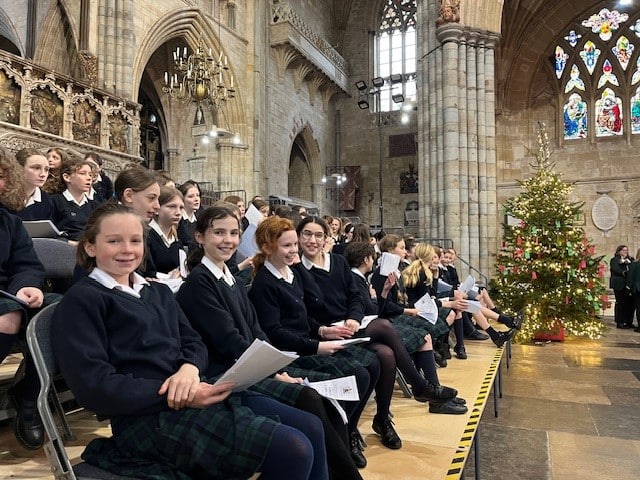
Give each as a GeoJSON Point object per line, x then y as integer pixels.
{"type": "Point", "coordinates": [569, 411]}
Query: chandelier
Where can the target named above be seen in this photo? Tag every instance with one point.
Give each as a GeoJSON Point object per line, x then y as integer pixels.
{"type": "Point", "coordinates": [199, 77]}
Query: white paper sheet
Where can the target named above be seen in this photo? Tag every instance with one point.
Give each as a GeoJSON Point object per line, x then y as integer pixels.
{"type": "Point", "coordinates": [344, 388]}
{"type": "Point", "coordinates": [427, 309]}
{"type": "Point", "coordinates": [472, 306]}
{"type": "Point", "coordinates": [389, 262]}
{"type": "Point", "coordinates": [363, 324]}
{"type": "Point", "coordinates": [248, 247]}
{"type": "Point", "coordinates": [443, 286]}
{"type": "Point", "coordinates": [253, 215]}
{"type": "Point", "coordinates": [351, 341]}
{"type": "Point", "coordinates": [468, 284]}
{"type": "Point", "coordinates": [257, 362]}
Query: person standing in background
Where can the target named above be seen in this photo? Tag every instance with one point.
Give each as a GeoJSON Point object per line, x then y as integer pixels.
{"type": "Point", "coordinates": [619, 267]}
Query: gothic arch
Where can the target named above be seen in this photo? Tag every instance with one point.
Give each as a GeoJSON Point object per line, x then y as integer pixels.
{"type": "Point", "coordinates": [8, 31]}
{"type": "Point", "coordinates": [57, 44]}
{"type": "Point", "coordinates": [189, 24]}
{"type": "Point", "coordinates": [306, 147]}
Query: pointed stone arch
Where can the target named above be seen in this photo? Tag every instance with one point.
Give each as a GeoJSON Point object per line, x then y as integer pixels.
{"type": "Point", "coordinates": [8, 31]}
{"type": "Point", "coordinates": [304, 164]}
{"type": "Point", "coordinates": [57, 46]}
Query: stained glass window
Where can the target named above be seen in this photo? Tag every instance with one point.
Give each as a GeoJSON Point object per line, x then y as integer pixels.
{"type": "Point", "coordinates": [397, 52]}
{"type": "Point", "coordinates": [575, 117]}
{"type": "Point", "coordinates": [608, 114]}
{"type": "Point", "coordinates": [574, 81]}
{"type": "Point", "coordinates": [635, 112]}
{"type": "Point", "coordinates": [600, 51]}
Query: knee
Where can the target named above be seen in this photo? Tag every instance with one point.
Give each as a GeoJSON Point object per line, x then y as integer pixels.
{"type": "Point", "coordinates": [10, 322]}
{"type": "Point", "coordinates": [428, 343]}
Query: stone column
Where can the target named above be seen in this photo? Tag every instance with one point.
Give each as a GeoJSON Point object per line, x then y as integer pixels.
{"type": "Point", "coordinates": [457, 134]}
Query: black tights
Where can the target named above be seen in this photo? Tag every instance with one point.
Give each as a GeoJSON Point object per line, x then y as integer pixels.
{"type": "Point", "coordinates": [366, 379]}
{"type": "Point", "coordinates": [341, 465]}
{"type": "Point", "coordinates": [382, 331]}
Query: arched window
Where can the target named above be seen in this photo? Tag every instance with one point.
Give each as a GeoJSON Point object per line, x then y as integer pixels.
{"type": "Point", "coordinates": [597, 66]}
{"type": "Point", "coordinates": [396, 53]}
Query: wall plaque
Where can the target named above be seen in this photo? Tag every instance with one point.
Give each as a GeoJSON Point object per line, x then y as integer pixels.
{"type": "Point", "coordinates": [605, 213]}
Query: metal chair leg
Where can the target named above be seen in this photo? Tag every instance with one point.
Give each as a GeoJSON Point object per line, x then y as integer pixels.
{"type": "Point", "coordinates": [406, 391]}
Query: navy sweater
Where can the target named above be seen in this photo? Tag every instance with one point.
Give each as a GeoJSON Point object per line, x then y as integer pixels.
{"type": "Point", "coordinates": [116, 350]}
{"type": "Point", "coordinates": [370, 305]}
{"type": "Point", "coordinates": [222, 314]}
{"type": "Point", "coordinates": [161, 258]}
{"type": "Point", "coordinates": [19, 264]}
{"type": "Point", "coordinates": [387, 307]}
{"type": "Point", "coordinates": [70, 217]}
{"type": "Point", "coordinates": [42, 210]}
{"type": "Point", "coordinates": [281, 311]}
{"type": "Point", "coordinates": [341, 298]}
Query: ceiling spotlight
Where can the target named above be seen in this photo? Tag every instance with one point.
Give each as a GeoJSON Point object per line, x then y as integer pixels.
{"type": "Point", "coordinates": [363, 104]}
{"type": "Point", "coordinates": [377, 82]}
{"type": "Point", "coordinates": [395, 78]}
{"type": "Point", "coordinates": [397, 98]}
{"type": "Point", "coordinates": [361, 85]}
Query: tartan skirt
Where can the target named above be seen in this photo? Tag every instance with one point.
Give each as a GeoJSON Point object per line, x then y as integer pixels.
{"type": "Point", "coordinates": [340, 364]}
{"type": "Point", "coordinates": [283, 392]}
{"type": "Point", "coordinates": [223, 441]}
{"type": "Point", "coordinates": [412, 330]}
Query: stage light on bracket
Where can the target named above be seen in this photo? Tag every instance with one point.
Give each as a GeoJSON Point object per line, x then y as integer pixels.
{"type": "Point", "coordinates": [361, 85]}
{"type": "Point", "coordinates": [377, 82]}
{"type": "Point", "coordinates": [363, 104]}
{"type": "Point", "coordinates": [395, 78]}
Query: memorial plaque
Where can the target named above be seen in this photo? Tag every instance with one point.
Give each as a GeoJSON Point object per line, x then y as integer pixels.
{"type": "Point", "coordinates": [605, 213]}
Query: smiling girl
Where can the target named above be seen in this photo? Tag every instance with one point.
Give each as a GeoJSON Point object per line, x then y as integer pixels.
{"type": "Point", "coordinates": [129, 354]}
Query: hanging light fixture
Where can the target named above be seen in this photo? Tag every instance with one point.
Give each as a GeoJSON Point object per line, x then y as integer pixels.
{"type": "Point", "coordinates": [199, 77]}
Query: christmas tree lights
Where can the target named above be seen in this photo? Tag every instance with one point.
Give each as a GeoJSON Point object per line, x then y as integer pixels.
{"type": "Point", "coordinates": [546, 264]}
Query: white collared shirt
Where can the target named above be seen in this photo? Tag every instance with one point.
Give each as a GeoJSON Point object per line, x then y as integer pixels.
{"type": "Point", "coordinates": [359, 273]}
{"type": "Point", "coordinates": [327, 263]}
{"type": "Point", "coordinates": [106, 280]}
{"type": "Point", "coordinates": [35, 197]}
{"type": "Point", "coordinates": [190, 218]}
{"type": "Point", "coordinates": [166, 240]}
{"type": "Point", "coordinates": [276, 273]}
{"type": "Point", "coordinates": [225, 273]}
{"type": "Point", "coordinates": [67, 194]}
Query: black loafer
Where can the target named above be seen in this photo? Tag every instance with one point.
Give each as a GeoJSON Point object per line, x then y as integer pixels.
{"type": "Point", "coordinates": [461, 353]}
{"type": "Point", "coordinates": [354, 449]}
{"type": "Point", "coordinates": [459, 401]}
{"type": "Point", "coordinates": [27, 425]}
{"type": "Point", "coordinates": [436, 393]}
{"type": "Point", "coordinates": [518, 319]}
{"type": "Point", "coordinates": [388, 435]}
{"type": "Point", "coordinates": [477, 335]}
{"type": "Point", "coordinates": [449, 407]}
{"type": "Point", "coordinates": [440, 360]}
{"type": "Point", "coordinates": [503, 337]}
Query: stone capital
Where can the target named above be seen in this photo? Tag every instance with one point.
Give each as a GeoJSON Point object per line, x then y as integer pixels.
{"type": "Point", "coordinates": [449, 32]}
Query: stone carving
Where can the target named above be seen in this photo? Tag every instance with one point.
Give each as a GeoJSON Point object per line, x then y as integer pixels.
{"type": "Point", "coordinates": [119, 138]}
{"type": "Point", "coordinates": [605, 213]}
{"type": "Point", "coordinates": [449, 12]}
{"type": "Point", "coordinates": [46, 111]}
{"type": "Point", "coordinates": [88, 67]}
{"type": "Point", "coordinates": [86, 123]}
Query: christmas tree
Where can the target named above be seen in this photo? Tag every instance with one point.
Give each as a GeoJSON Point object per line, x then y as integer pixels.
{"type": "Point", "coordinates": [546, 265]}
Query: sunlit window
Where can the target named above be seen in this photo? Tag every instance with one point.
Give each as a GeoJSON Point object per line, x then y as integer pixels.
{"type": "Point", "coordinates": [396, 52]}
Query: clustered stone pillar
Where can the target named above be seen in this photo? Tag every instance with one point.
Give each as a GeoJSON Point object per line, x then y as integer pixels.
{"type": "Point", "coordinates": [457, 138]}
{"type": "Point", "coordinates": [115, 46]}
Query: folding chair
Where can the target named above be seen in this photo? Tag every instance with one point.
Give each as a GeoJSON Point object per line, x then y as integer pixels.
{"type": "Point", "coordinates": [58, 258]}
{"type": "Point", "coordinates": [39, 341]}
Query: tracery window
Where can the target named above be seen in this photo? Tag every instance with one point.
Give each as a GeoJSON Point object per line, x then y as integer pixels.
{"type": "Point", "coordinates": [597, 66]}
{"type": "Point", "coordinates": [396, 52]}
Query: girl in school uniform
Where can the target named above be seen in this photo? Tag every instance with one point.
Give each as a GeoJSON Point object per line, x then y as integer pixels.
{"type": "Point", "coordinates": [277, 294]}
{"type": "Point", "coordinates": [129, 354]}
{"type": "Point", "coordinates": [71, 208]}
{"type": "Point", "coordinates": [38, 205]}
{"type": "Point", "coordinates": [21, 275]}
{"type": "Point", "coordinates": [340, 300]}
{"type": "Point", "coordinates": [218, 307]}
{"type": "Point", "coordinates": [138, 189]}
{"type": "Point", "coordinates": [191, 193]}
{"type": "Point", "coordinates": [55, 157]}
{"type": "Point", "coordinates": [163, 244]}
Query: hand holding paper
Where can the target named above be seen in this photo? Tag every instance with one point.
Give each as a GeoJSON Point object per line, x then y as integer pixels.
{"type": "Point", "coordinates": [389, 262]}
{"type": "Point", "coordinates": [427, 308]}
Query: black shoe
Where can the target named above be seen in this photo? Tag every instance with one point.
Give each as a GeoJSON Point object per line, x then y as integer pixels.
{"type": "Point", "coordinates": [445, 351]}
{"type": "Point", "coordinates": [459, 401]}
{"type": "Point", "coordinates": [449, 407]}
{"type": "Point", "coordinates": [518, 319]}
{"type": "Point", "coordinates": [477, 335]}
{"type": "Point", "coordinates": [361, 441]}
{"type": "Point", "coordinates": [440, 361]}
{"type": "Point", "coordinates": [436, 393]}
{"type": "Point", "coordinates": [503, 337]}
{"type": "Point", "coordinates": [388, 435]}
{"type": "Point", "coordinates": [27, 425]}
{"type": "Point", "coordinates": [356, 453]}
{"type": "Point", "coordinates": [461, 353]}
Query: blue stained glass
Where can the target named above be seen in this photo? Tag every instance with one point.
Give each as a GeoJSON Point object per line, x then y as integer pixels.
{"type": "Point", "coordinates": [573, 38]}
{"type": "Point", "coordinates": [635, 112]}
{"type": "Point", "coordinates": [590, 55]}
{"type": "Point", "coordinates": [575, 117]}
{"type": "Point", "coordinates": [561, 61]}
{"type": "Point", "coordinates": [623, 51]}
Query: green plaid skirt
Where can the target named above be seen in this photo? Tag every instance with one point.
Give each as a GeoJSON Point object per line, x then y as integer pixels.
{"type": "Point", "coordinates": [412, 330]}
{"type": "Point", "coordinates": [223, 441]}
{"type": "Point", "coordinates": [283, 392]}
